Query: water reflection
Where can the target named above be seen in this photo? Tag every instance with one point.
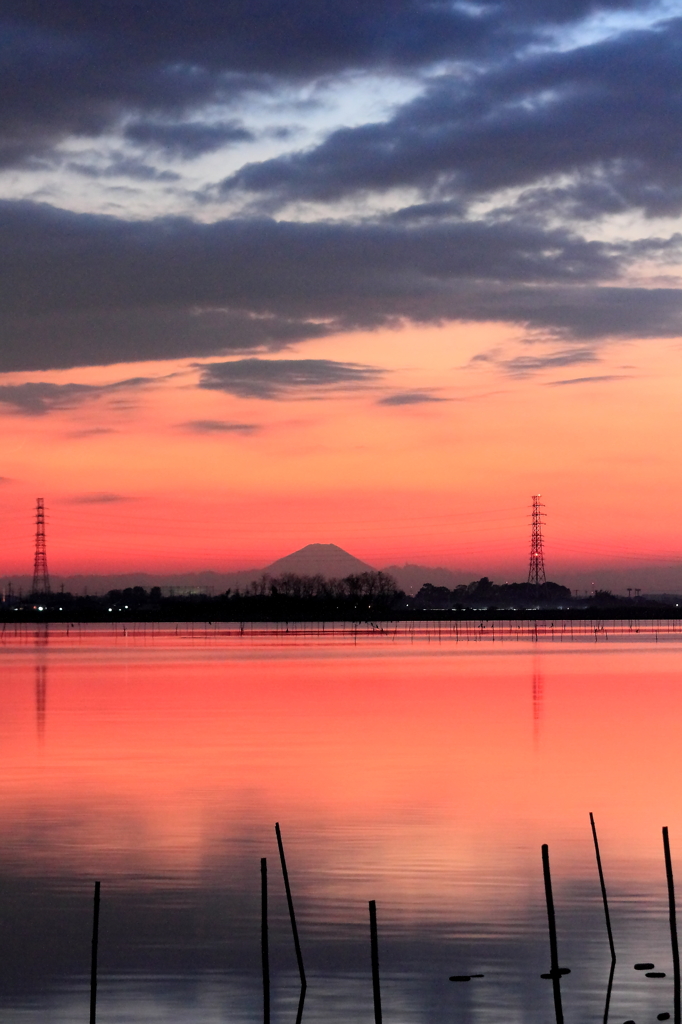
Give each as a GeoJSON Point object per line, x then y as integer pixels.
{"type": "Point", "coordinates": [538, 687]}
{"type": "Point", "coordinates": [41, 700]}
{"type": "Point", "coordinates": [400, 773]}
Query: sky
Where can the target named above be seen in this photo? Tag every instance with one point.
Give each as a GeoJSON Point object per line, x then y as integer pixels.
{"type": "Point", "coordinates": [366, 273]}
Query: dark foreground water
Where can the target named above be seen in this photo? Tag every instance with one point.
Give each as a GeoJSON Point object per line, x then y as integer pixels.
{"type": "Point", "coordinates": [418, 771]}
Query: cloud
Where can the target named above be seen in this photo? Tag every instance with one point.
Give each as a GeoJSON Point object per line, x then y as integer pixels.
{"type": "Point", "coordinates": [523, 366]}
{"type": "Point", "coordinates": [84, 67]}
{"type": "Point", "coordinates": [79, 289]}
{"type": "Point", "coordinates": [219, 427]}
{"type": "Point", "coordinates": [585, 380]}
{"type": "Point", "coordinates": [123, 167]}
{"type": "Point", "coordinates": [92, 432]}
{"type": "Point", "coordinates": [275, 379]}
{"type": "Point", "coordinates": [601, 115]}
{"type": "Point", "coordinates": [188, 139]}
{"type": "Point", "coordinates": [41, 397]}
{"type": "Point", "coordinates": [98, 498]}
{"type": "Point", "coordinates": [410, 398]}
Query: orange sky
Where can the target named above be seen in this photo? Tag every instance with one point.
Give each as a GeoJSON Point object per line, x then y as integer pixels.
{"type": "Point", "coordinates": [439, 483]}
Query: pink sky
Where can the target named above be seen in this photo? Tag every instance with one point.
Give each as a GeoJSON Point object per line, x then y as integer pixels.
{"type": "Point", "coordinates": [130, 486]}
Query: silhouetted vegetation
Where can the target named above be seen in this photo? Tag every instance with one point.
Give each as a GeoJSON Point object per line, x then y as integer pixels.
{"type": "Point", "coordinates": [280, 598]}
{"type": "Point", "coordinates": [484, 594]}
{"type": "Point", "coordinates": [366, 596]}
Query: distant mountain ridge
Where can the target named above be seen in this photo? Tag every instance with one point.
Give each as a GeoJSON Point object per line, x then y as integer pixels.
{"type": "Point", "coordinates": [328, 560]}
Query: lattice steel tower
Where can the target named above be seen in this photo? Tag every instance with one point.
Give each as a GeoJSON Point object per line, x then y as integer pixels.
{"type": "Point", "coordinates": [41, 577]}
{"type": "Point", "coordinates": [536, 567]}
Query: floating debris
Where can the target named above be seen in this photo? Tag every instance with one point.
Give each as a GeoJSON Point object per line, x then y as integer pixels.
{"type": "Point", "coordinates": [560, 973]}
{"type": "Point", "coordinates": [654, 974]}
{"type": "Point", "coordinates": [644, 967]}
{"type": "Point", "coordinates": [465, 977]}
{"type": "Point", "coordinates": [663, 1016]}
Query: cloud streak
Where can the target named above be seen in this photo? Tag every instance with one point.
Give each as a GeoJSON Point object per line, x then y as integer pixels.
{"type": "Point", "coordinates": [276, 379]}
{"type": "Point", "coordinates": [40, 398]}
{"type": "Point", "coordinates": [188, 139]}
{"type": "Point", "coordinates": [98, 498]}
{"type": "Point", "coordinates": [219, 427]}
{"type": "Point", "coordinates": [602, 378]}
{"type": "Point", "coordinates": [417, 397]}
{"type": "Point", "coordinates": [525, 365]}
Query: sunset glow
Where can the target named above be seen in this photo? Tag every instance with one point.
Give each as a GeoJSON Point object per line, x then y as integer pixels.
{"type": "Point", "coordinates": [365, 278]}
{"type": "Point", "coordinates": [158, 479]}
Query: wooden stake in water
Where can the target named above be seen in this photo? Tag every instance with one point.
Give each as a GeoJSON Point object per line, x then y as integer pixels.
{"type": "Point", "coordinates": [93, 957]}
{"type": "Point", "coordinates": [609, 990]}
{"type": "Point", "coordinates": [553, 949]}
{"type": "Point", "coordinates": [673, 926]}
{"type": "Point", "coordinates": [264, 949]}
{"type": "Point", "coordinates": [603, 889]}
{"type": "Point", "coordinates": [612, 947]}
{"type": "Point", "coordinates": [294, 929]}
{"type": "Point", "coordinates": [375, 961]}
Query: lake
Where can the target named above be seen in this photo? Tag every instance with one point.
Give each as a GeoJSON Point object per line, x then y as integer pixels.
{"type": "Point", "coordinates": [420, 769]}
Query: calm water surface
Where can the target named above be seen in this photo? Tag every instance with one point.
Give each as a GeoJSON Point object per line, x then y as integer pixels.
{"type": "Point", "coordinates": [422, 773]}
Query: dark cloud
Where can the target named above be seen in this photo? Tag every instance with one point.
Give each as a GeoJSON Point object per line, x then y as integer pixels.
{"type": "Point", "coordinates": [219, 427]}
{"type": "Point", "coordinates": [80, 67]}
{"type": "Point", "coordinates": [606, 114]}
{"type": "Point", "coordinates": [523, 366]}
{"type": "Point", "coordinates": [505, 105]}
{"type": "Point", "coordinates": [40, 398]}
{"type": "Point", "coordinates": [98, 498]}
{"type": "Point", "coordinates": [585, 380]}
{"type": "Point", "coordinates": [186, 140]}
{"type": "Point", "coordinates": [123, 167]}
{"type": "Point", "coordinates": [285, 378]}
{"type": "Point", "coordinates": [410, 398]}
{"type": "Point", "coordinates": [582, 313]}
{"type": "Point", "coordinates": [79, 289]}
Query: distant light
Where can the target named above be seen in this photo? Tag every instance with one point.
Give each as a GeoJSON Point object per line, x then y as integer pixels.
{"type": "Point", "coordinates": [40, 608]}
{"type": "Point", "coordinates": [61, 609]}
{"type": "Point", "coordinates": [111, 609]}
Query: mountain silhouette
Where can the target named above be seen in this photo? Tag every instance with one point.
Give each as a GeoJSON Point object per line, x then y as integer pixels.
{"type": "Point", "coordinates": [319, 560]}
